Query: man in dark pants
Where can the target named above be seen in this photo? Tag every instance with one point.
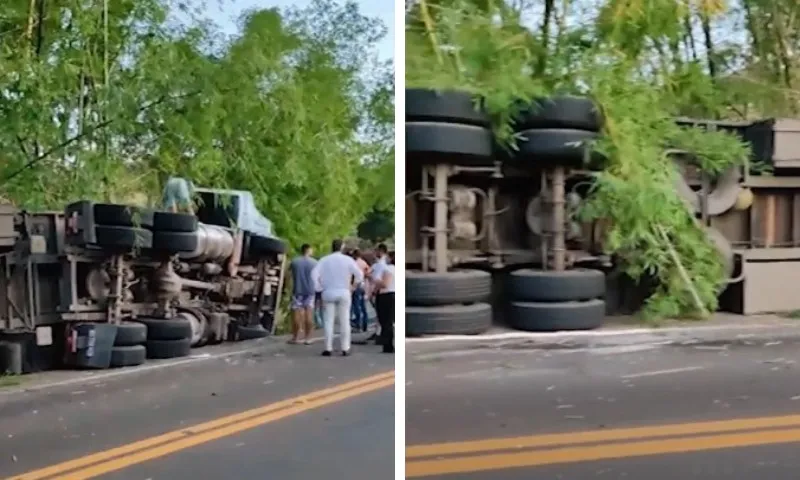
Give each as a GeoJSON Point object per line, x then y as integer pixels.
{"type": "Point", "coordinates": [359, 306]}
{"type": "Point", "coordinates": [381, 253]}
{"type": "Point", "coordinates": [384, 300]}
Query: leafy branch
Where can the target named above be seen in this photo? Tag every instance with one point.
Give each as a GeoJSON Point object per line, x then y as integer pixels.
{"type": "Point", "coordinates": [295, 107]}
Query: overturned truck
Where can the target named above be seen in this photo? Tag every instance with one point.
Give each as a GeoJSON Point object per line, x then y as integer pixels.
{"type": "Point", "coordinates": [495, 238]}
{"type": "Point", "coordinates": [106, 285]}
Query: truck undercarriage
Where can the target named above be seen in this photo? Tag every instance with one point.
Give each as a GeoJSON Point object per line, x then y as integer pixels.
{"type": "Point", "coordinates": [499, 239]}
{"type": "Point", "coordinates": [152, 283]}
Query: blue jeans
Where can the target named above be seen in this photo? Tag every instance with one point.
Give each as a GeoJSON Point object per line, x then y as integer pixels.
{"type": "Point", "coordinates": [358, 310]}
{"type": "Point", "coordinates": [318, 320]}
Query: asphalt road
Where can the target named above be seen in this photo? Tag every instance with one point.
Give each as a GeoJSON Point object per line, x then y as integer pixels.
{"type": "Point", "coordinates": [280, 412]}
{"type": "Point", "coordinates": [657, 412]}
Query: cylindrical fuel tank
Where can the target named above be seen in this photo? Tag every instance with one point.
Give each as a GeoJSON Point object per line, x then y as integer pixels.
{"type": "Point", "coordinates": [214, 244]}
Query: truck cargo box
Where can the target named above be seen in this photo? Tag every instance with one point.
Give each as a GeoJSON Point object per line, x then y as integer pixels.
{"type": "Point", "coordinates": [776, 142]}
{"type": "Point", "coordinates": [8, 234]}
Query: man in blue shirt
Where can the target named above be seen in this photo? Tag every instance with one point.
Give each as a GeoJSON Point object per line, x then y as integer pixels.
{"type": "Point", "coordinates": [303, 295]}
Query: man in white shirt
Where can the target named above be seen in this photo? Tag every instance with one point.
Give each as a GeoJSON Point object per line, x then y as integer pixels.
{"type": "Point", "coordinates": [383, 279]}
{"type": "Point", "coordinates": [334, 275]}
{"type": "Point", "coordinates": [375, 273]}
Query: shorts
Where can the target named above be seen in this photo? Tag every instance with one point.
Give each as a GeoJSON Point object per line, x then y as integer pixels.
{"type": "Point", "coordinates": [178, 194]}
{"type": "Point", "coordinates": [300, 302]}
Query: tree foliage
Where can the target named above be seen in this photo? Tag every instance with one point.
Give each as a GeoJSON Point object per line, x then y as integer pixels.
{"type": "Point", "coordinates": [102, 100]}
{"type": "Point", "coordinates": [644, 62]}
{"type": "Point", "coordinates": [378, 226]}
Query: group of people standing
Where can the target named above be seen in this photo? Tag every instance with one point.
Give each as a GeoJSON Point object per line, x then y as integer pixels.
{"type": "Point", "coordinates": [341, 283]}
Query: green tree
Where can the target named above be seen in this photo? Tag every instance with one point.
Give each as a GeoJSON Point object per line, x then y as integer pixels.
{"type": "Point", "coordinates": [378, 226]}
{"type": "Point", "coordinates": [105, 99]}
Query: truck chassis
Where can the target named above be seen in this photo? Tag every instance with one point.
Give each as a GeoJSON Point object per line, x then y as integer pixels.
{"type": "Point", "coordinates": [54, 276]}
{"type": "Point", "coordinates": [499, 218]}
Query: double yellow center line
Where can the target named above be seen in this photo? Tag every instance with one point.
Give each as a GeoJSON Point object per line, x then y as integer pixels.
{"type": "Point", "coordinates": [560, 448]}
{"type": "Point", "coordinates": [118, 458]}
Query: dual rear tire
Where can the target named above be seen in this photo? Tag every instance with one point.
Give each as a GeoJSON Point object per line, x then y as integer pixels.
{"type": "Point", "coordinates": [129, 349]}
{"type": "Point", "coordinates": [547, 301]}
{"type": "Point", "coordinates": [456, 302]}
{"type": "Point", "coordinates": [453, 303]}
{"type": "Point", "coordinates": [122, 227]}
{"type": "Point", "coordinates": [151, 338]}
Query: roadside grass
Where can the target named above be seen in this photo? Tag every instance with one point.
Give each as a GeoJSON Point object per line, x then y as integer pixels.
{"type": "Point", "coordinates": [7, 380]}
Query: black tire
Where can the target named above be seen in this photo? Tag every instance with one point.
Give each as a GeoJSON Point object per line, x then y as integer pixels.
{"type": "Point", "coordinates": [174, 222]}
{"type": "Point", "coordinates": [161, 349]}
{"type": "Point", "coordinates": [122, 215]}
{"type": "Point", "coordinates": [457, 286]}
{"type": "Point", "coordinates": [430, 142]}
{"type": "Point", "coordinates": [528, 285]}
{"type": "Point", "coordinates": [552, 317]}
{"type": "Point", "coordinates": [250, 332]}
{"type": "Point", "coordinates": [123, 237]}
{"type": "Point", "coordinates": [130, 334]}
{"type": "Point", "coordinates": [578, 113]}
{"type": "Point", "coordinates": [129, 356]}
{"type": "Point", "coordinates": [423, 105]}
{"type": "Point", "coordinates": [175, 241]}
{"type": "Point", "coordinates": [167, 328]}
{"type": "Point", "coordinates": [556, 147]}
{"type": "Point", "coordinates": [448, 320]}
{"type": "Point", "coordinates": [260, 245]}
